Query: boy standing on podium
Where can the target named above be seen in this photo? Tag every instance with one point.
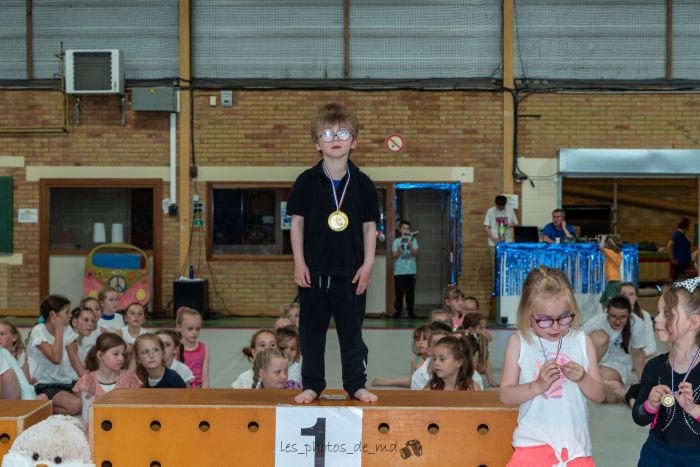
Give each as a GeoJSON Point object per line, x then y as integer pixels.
{"type": "Point", "coordinates": [334, 211]}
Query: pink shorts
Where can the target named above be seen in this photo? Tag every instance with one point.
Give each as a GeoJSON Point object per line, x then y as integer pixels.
{"type": "Point", "coordinates": [543, 456]}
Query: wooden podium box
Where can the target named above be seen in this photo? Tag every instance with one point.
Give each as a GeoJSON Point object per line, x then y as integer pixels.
{"type": "Point", "coordinates": [17, 416]}
{"type": "Point", "coordinates": [214, 427]}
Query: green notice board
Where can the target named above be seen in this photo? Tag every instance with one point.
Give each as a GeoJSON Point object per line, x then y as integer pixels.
{"type": "Point", "coordinates": [5, 214]}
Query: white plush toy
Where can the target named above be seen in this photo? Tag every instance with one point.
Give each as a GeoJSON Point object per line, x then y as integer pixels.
{"type": "Point", "coordinates": [58, 441]}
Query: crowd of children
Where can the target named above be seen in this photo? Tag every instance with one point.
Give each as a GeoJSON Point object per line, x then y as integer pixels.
{"type": "Point", "coordinates": [74, 356]}
{"type": "Point", "coordinates": [552, 365]}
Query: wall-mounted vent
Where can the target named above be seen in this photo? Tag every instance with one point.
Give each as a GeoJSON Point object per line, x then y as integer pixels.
{"type": "Point", "coordinates": [94, 72]}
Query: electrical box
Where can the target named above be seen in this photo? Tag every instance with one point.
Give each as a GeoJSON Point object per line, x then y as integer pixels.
{"type": "Point", "coordinates": [226, 98]}
{"type": "Point", "coordinates": [155, 99]}
{"type": "Point", "coordinates": [97, 71]}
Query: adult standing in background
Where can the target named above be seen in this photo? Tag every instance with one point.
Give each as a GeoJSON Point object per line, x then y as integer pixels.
{"type": "Point", "coordinates": [558, 228]}
{"type": "Point", "coordinates": [679, 249]}
{"type": "Point", "coordinates": [499, 222]}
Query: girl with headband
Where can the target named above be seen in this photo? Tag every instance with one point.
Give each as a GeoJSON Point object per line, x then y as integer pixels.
{"type": "Point", "coordinates": [669, 397]}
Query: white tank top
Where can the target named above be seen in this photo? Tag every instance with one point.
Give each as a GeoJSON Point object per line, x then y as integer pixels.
{"type": "Point", "coordinates": [559, 417]}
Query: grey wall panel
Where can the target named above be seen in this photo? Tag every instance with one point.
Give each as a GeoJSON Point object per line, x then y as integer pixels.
{"type": "Point", "coordinates": [419, 39]}
{"type": "Point", "coordinates": [267, 39]}
{"type": "Point", "coordinates": [13, 46]}
{"type": "Point", "coordinates": [686, 39]}
{"type": "Point", "coordinates": [146, 31]}
{"type": "Point", "coordinates": [590, 40]}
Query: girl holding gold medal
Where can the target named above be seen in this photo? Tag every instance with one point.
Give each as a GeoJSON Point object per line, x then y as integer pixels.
{"type": "Point", "coordinates": [669, 397]}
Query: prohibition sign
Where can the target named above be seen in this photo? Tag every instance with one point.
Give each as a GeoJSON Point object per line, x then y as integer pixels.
{"type": "Point", "coordinates": [394, 142]}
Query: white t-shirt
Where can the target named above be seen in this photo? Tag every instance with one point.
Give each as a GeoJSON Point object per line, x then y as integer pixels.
{"type": "Point", "coordinates": [127, 337]}
{"type": "Point", "coordinates": [40, 367]}
{"type": "Point", "coordinates": [559, 417]}
{"type": "Point", "coordinates": [294, 372]}
{"type": "Point", "coordinates": [113, 324]}
{"type": "Point", "coordinates": [616, 357]}
{"type": "Point", "coordinates": [6, 359]}
{"type": "Point", "coordinates": [495, 217]}
{"type": "Point", "coordinates": [90, 340]}
{"type": "Point", "coordinates": [183, 370]}
{"type": "Point", "coordinates": [244, 380]}
{"type": "Point", "coordinates": [87, 401]}
{"type": "Point", "coordinates": [421, 377]}
{"type": "Point", "coordinates": [649, 337]}
{"type": "Point", "coordinates": [84, 347]}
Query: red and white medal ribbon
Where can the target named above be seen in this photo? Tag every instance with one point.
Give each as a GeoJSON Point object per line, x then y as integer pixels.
{"type": "Point", "coordinates": [338, 204]}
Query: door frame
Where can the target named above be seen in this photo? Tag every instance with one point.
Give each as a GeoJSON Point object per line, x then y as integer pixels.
{"type": "Point", "coordinates": [45, 186]}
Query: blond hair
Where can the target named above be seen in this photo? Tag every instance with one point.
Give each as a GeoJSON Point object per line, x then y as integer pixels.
{"type": "Point", "coordinates": [262, 362]}
{"type": "Point", "coordinates": [543, 283]}
{"type": "Point", "coordinates": [102, 296]}
{"type": "Point", "coordinates": [286, 308]}
{"type": "Point", "coordinates": [680, 298]}
{"type": "Point", "coordinates": [451, 292]}
{"type": "Point", "coordinates": [185, 311]}
{"type": "Point", "coordinates": [18, 346]}
{"type": "Point", "coordinates": [331, 114]}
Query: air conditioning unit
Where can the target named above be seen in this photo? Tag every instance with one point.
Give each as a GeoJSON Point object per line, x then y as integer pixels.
{"type": "Point", "coordinates": [96, 71]}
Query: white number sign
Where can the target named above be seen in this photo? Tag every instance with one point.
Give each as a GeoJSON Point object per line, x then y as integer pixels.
{"type": "Point", "coordinates": [318, 437]}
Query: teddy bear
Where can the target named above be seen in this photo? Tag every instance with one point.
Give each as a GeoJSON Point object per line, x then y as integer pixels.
{"type": "Point", "coordinates": [58, 441]}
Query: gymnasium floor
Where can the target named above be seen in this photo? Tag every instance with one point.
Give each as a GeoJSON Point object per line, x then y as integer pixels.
{"type": "Point", "coordinates": [616, 439]}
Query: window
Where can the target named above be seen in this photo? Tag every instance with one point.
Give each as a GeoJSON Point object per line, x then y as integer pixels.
{"type": "Point", "coordinates": [248, 221]}
{"type": "Point", "coordinates": [77, 214]}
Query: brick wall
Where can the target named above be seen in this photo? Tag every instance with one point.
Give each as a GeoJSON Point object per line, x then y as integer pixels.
{"type": "Point", "coordinates": [272, 128]}
{"type": "Point", "coordinates": [99, 140]}
{"type": "Point", "coordinates": [587, 120]}
{"type": "Point", "coordinates": [455, 128]}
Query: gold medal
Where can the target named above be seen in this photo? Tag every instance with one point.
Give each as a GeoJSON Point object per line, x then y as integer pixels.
{"type": "Point", "coordinates": [668, 400]}
{"type": "Point", "coordinates": [338, 221]}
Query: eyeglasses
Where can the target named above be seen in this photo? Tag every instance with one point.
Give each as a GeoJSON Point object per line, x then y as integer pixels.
{"type": "Point", "coordinates": [149, 352]}
{"type": "Point", "coordinates": [549, 322]}
{"type": "Point", "coordinates": [328, 135]}
{"type": "Point", "coordinates": [619, 319]}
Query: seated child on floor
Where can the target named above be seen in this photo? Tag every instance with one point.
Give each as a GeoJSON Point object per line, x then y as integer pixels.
{"type": "Point", "coordinates": [270, 371]}
{"type": "Point", "coordinates": [291, 311]}
{"type": "Point", "coordinates": [261, 340]}
{"type": "Point", "coordinates": [453, 366]}
{"type": "Point", "coordinates": [288, 343]}
{"type": "Point", "coordinates": [150, 368]}
{"type": "Point", "coordinates": [104, 364]}
{"type": "Point", "coordinates": [421, 377]}
{"type": "Point", "coordinates": [83, 323]}
{"type": "Point", "coordinates": [453, 303]}
{"type": "Point", "coordinates": [49, 365]}
{"type": "Point", "coordinates": [193, 352]}
{"type": "Point", "coordinates": [171, 344]}
{"type": "Point", "coordinates": [474, 331]}
{"type": "Point", "coordinates": [134, 316]}
{"type": "Point", "coordinates": [11, 341]}
{"type": "Point", "coordinates": [421, 352]}
{"type": "Point", "coordinates": [109, 302]}
{"type": "Point", "coordinates": [282, 322]}
{"type": "Point", "coordinates": [440, 316]}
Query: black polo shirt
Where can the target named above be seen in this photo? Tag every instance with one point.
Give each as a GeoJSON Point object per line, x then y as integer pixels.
{"type": "Point", "coordinates": [326, 252]}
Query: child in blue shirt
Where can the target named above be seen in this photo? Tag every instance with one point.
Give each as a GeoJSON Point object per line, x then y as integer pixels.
{"type": "Point", "coordinates": [404, 249]}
